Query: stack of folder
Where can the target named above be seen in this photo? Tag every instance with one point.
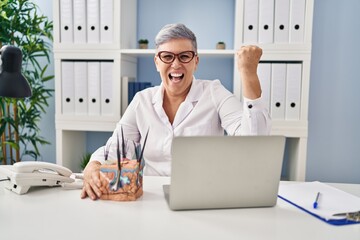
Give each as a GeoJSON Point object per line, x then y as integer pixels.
{"type": "Point", "coordinates": [87, 87]}
{"type": "Point", "coordinates": [129, 87]}
{"type": "Point", "coordinates": [135, 87]}
{"type": "Point", "coordinates": [86, 21]}
{"type": "Point", "coordinates": [270, 21]}
{"type": "Point", "coordinates": [281, 89]}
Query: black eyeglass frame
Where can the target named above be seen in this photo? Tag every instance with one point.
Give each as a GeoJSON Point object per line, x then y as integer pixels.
{"type": "Point", "coordinates": [176, 56]}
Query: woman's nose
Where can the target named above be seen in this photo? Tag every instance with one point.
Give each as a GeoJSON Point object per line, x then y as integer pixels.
{"type": "Point", "coordinates": [176, 62]}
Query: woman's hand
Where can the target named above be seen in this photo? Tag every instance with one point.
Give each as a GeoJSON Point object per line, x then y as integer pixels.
{"type": "Point", "coordinates": [248, 58]}
{"type": "Point", "coordinates": [95, 183]}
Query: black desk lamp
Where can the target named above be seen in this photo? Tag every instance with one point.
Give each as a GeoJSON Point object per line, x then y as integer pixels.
{"type": "Point", "coordinates": [12, 83]}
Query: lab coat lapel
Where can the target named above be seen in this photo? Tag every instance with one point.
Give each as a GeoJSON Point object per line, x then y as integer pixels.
{"type": "Point", "coordinates": [188, 105]}
{"type": "Point", "coordinates": [185, 108]}
{"type": "Point", "coordinates": [158, 106]}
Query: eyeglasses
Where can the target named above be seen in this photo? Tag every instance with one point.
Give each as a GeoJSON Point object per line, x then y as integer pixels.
{"type": "Point", "coordinates": [169, 57]}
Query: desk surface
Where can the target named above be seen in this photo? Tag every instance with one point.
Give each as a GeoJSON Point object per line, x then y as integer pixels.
{"type": "Point", "coordinates": [56, 213]}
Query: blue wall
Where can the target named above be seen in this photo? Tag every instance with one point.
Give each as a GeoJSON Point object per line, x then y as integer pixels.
{"type": "Point", "coordinates": [209, 28]}
{"type": "Point", "coordinates": [333, 146]}
{"type": "Point", "coordinates": [334, 111]}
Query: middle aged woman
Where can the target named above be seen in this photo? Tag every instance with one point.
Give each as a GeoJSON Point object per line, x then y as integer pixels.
{"type": "Point", "coordinates": [184, 106]}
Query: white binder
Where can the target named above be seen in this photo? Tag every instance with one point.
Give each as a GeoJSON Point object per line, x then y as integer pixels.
{"type": "Point", "coordinates": [278, 90]}
{"type": "Point", "coordinates": [94, 88]}
{"type": "Point", "coordinates": [79, 21]}
{"type": "Point", "coordinates": [281, 25]}
{"type": "Point", "coordinates": [293, 91]}
{"type": "Point", "coordinates": [297, 21]}
{"type": "Point", "coordinates": [264, 74]}
{"type": "Point", "coordinates": [66, 21]}
{"type": "Point", "coordinates": [125, 92]}
{"type": "Point", "coordinates": [266, 21]}
{"type": "Point", "coordinates": [106, 78]}
{"type": "Point", "coordinates": [93, 21]}
{"type": "Point", "coordinates": [80, 76]}
{"type": "Point", "coordinates": [251, 21]}
{"type": "Point", "coordinates": [106, 21]}
{"type": "Point", "coordinates": [67, 88]}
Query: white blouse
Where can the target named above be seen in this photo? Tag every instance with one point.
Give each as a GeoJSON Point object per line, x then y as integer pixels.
{"type": "Point", "coordinates": [208, 109]}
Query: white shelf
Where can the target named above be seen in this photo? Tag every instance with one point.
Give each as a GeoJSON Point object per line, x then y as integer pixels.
{"type": "Point", "coordinates": [83, 124]}
{"type": "Point", "coordinates": [82, 54]}
{"type": "Point", "coordinates": [123, 52]}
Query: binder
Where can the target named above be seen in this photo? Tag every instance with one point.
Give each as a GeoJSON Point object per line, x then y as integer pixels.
{"type": "Point", "coordinates": [134, 87]}
{"type": "Point", "coordinates": [67, 88]}
{"type": "Point", "coordinates": [281, 26]}
{"type": "Point", "coordinates": [266, 21]}
{"type": "Point", "coordinates": [66, 21]}
{"type": "Point", "coordinates": [333, 204]}
{"type": "Point", "coordinates": [93, 21]}
{"type": "Point", "coordinates": [278, 90]}
{"type": "Point", "coordinates": [106, 21]}
{"type": "Point", "coordinates": [80, 82]}
{"type": "Point", "coordinates": [106, 81]}
{"type": "Point", "coordinates": [293, 91]}
{"type": "Point", "coordinates": [297, 21]}
{"type": "Point", "coordinates": [125, 83]}
{"type": "Point", "coordinates": [79, 21]}
{"type": "Point", "coordinates": [131, 91]}
{"type": "Point", "coordinates": [251, 22]}
{"type": "Point", "coordinates": [94, 88]}
{"type": "Point", "coordinates": [264, 73]}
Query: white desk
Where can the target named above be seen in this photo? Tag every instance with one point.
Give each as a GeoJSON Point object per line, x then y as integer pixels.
{"type": "Point", "coordinates": [56, 213]}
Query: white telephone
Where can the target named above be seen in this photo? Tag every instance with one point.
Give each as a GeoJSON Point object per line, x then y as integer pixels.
{"type": "Point", "coordinates": [22, 175]}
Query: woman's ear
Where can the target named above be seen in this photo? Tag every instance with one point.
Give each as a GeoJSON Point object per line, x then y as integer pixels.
{"type": "Point", "coordinates": [156, 63]}
{"type": "Point", "coordinates": [197, 59]}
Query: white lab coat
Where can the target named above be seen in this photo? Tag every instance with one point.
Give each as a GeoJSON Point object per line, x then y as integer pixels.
{"type": "Point", "coordinates": [208, 109]}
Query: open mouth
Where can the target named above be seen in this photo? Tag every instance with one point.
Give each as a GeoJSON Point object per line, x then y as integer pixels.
{"type": "Point", "coordinates": [176, 76]}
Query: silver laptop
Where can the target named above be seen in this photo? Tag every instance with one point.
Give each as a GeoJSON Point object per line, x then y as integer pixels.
{"type": "Point", "coordinates": [225, 172]}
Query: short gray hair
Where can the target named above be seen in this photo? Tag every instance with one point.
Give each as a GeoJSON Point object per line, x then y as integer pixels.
{"type": "Point", "coordinates": [175, 31]}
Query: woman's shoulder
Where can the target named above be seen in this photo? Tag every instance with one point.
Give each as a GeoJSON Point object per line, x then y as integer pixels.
{"type": "Point", "coordinates": [215, 89]}
{"type": "Point", "coordinates": [149, 91]}
{"type": "Point", "coordinates": [147, 94]}
{"type": "Point", "coordinates": [209, 84]}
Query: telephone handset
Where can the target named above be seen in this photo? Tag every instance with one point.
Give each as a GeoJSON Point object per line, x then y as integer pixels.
{"type": "Point", "coordinates": [36, 166]}
{"type": "Point", "coordinates": [23, 175]}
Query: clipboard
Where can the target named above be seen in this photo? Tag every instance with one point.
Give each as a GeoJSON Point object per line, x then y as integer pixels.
{"type": "Point", "coordinates": [333, 204]}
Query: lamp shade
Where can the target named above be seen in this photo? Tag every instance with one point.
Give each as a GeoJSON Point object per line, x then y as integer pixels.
{"type": "Point", "coordinates": [12, 83]}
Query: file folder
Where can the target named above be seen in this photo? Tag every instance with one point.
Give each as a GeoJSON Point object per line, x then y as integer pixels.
{"type": "Point", "coordinates": [293, 91]}
{"type": "Point", "coordinates": [281, 26]}
{"type": "Point", "coordinates": [67, 88]}
{"type": "Point", "coordinates": [278, 90]}
{"type": "Point", "coordinates": [266, 21]}
{"type": "Point", "coordinates": [106, 21]}
{"type": "Point", "coordinates": [80, 77]}
{"type": "Point", "coordinates": [79, 21]}
{"type": "Point", "coordinates": [131, 91]}
{"type": "Point", "coordinates": [251, 22]}
{"type": "Point", "coordinates": [125, 90]}
{"type": "Point", "coordinates": [94, 88]}
{"type": "Point", "coordinates": [332, 203]}
{"type": "Point", "coordinates": [106, 80]}
{"type": "Point", "coordinates": [297, 21]}
{"type": "Point", "coordinates": [93, 21]}
{"type": "Point", "coordinates": [66, 21]}
{"type": "Point", "coordinates": [134, 87]}
{"type": "Point", "coordinates": [264, 73]}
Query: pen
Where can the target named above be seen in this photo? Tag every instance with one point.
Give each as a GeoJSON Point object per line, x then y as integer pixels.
{"type": "Point", "coordinates": [315, 205]}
